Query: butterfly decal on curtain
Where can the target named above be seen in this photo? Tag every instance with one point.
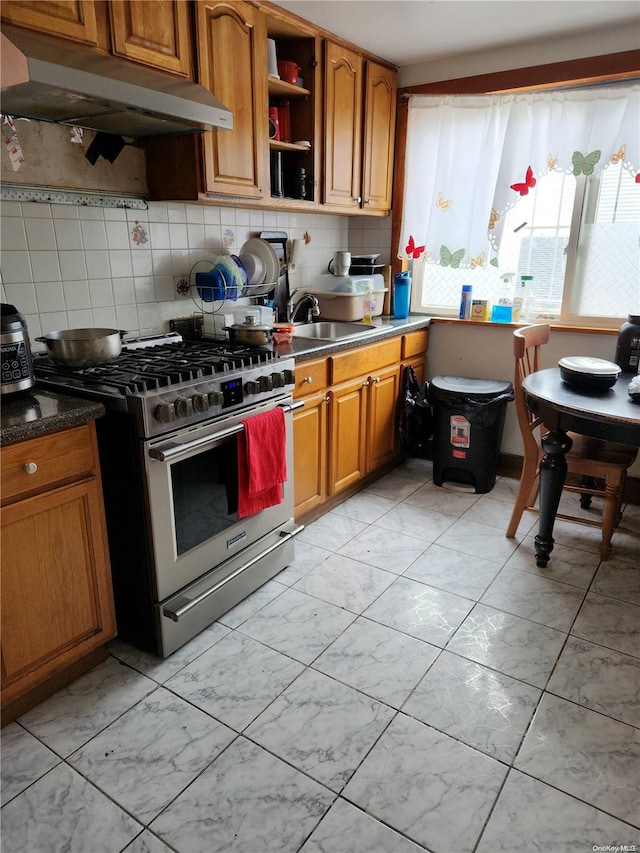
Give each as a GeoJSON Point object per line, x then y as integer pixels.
{"type": "Point", "coordinates": [494, 216]}
{"type": "Point", "coordinates": [528, 183]}
{"type": "Point", "coordinates": [584, 164]}
{"type": "Point", "coordinates": [451, 259]}
{"type": "Point", "coordinates": [412, 250]}
{"type": "Point", "coordinates": [443, 203]}
{"type": "Point", "coordinates": [477, 262]}
{"type": "Point", "coordinates": [552, 162]}
{"type": "Point", "coordinates": [620, 154]}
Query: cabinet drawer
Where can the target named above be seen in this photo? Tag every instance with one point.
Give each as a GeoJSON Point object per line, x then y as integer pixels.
{"type": "Point", "coordinates": [364, 360]}
{"type": "Point", "coordinates": [311, 377]}
{"type": "Point", "coordinates": [61, 456]}
{"type": "Point", "coordinates": [415, 343]}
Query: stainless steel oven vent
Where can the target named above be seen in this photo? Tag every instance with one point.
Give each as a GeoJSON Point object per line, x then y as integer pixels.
{"type": "Point", "coordinates": [50, 79]}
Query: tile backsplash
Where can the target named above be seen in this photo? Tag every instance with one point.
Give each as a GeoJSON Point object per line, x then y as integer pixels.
{"type": "Point", "coordinates": [70, 266]}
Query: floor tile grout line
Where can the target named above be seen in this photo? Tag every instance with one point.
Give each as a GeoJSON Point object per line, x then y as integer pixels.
{"type": "Point", "coordinates": [309, 666]}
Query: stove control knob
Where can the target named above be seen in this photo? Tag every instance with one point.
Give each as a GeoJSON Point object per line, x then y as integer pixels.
{"type": "Point", "coordinates": [251, 387]}
{"type": "Point", "coordinates": [216, 398]}
{"type": "Point", "coordinates": [200, 402]}
{"type": "Point", "coordinates": [165, 413]}
{"type": "Point", "coordinates": [266, 383]}
{"type": "Point", "coordinates": [184, 407]}
{"type": "Point", "coordinates": [289, 377]}
{"type": "Point", "coordinates": [278, 380]}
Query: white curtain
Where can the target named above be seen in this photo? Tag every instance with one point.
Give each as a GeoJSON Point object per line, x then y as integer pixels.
{"type": "Point", "coordinates": [469, 159]}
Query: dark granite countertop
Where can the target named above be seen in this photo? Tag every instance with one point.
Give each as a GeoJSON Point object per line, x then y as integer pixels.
{"type": "Point", "coordinates": [385, 327]}
{"type": "Point", "coordinates": [37, 412]}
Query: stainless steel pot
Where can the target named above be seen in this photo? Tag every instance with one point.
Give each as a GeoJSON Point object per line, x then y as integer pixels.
{"type": "Point", "coordinates": [250, 335]}
{"type": "Point", "coordinates": [83, 347]}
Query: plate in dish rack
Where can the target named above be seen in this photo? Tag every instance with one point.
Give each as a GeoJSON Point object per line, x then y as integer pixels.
{"type": "Point", "coordinates": [266, 253]}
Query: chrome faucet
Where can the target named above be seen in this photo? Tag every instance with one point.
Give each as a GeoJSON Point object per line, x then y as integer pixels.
{"type": "Point", "coordinates": [313, 309]}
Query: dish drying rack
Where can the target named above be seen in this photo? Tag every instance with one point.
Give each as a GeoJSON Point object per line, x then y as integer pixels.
{"type": "Point", "coordinates": [242, 290]}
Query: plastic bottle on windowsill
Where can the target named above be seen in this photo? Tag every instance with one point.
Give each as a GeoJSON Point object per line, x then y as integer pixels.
{"type": "Point", "coordinates": [524, 301]}
{"type": "Point", "coordinates": [503, 311]}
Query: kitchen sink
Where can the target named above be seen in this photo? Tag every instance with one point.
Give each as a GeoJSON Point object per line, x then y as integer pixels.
{"type": "Point", "coordinates": [331, 330]}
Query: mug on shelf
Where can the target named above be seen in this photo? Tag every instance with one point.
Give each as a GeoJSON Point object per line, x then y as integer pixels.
{"type": "Point", "coordinates": [274, 123]}
{"type": "Point", "coordinates": [341, 262]}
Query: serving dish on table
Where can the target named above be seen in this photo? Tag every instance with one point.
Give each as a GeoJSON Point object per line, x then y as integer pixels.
{"type": "Point", "coordinates": [588, 374]}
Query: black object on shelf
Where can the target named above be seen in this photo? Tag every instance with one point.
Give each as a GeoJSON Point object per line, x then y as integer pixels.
{"type": "Point", "coordinates": [295, 184]}
{"type": "Point", "coordinates": [277, 187]}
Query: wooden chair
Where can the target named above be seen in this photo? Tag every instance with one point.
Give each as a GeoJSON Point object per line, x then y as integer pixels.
{"type": "Point", "coordinates": [591, 460]}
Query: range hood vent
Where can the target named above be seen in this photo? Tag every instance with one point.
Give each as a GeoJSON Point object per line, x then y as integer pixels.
{"type": "Point", "coordinates": [51, 79]}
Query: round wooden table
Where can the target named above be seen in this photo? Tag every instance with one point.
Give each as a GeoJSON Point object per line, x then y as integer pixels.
{"type": "Point", "coordinates": [610, 415]}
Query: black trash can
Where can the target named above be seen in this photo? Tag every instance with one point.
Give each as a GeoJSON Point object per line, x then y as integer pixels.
{"type": "Point", "coordinates": [468, 424]}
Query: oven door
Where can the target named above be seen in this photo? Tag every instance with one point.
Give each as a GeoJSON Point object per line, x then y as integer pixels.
{"type": "Point", "coordinates": [192, 496]}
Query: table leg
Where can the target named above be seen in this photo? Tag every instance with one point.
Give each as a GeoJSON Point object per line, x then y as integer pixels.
{"type": "Point", "coordinates": [553, 470]}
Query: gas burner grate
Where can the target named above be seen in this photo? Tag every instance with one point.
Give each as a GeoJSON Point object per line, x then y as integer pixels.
{"type": "Point", "coordinates": [158, 366]}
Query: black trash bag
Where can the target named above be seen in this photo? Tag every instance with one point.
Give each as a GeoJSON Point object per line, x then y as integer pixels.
{"type": "Point", "coordinates": [479, 411]}
{"type": "Point", "coordinates": [415, 425]}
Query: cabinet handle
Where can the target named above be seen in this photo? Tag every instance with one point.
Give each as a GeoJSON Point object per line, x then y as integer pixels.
{"type": "Point", "coordinates": [308, 380]}
{"type": "Point", "coordinates": [326, 399]}
{"type": "Point", "coordinates": [366, 384]}
{"type": "Point", "coordinates": [357, 199]}
{"type": "Point", "coordinates": [376, 379]}
{"type": "Point", "coordinates": [30, 467]}
{"type": "Point", "coordinates": [368, 201]}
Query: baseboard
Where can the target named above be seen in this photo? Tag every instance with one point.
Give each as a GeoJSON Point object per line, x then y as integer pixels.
{"type": "Point", "coordinates": [511, 466]}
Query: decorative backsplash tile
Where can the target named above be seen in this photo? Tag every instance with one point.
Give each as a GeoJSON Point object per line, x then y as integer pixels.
{"type": "Point", "coordinates": [68, 266]}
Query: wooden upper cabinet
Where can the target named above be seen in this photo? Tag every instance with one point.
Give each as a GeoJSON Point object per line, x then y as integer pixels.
{"type": "Point", "coordinates": [71, 19]}
{"type": "Point", "coordinates": [156, 33]}
{"type": "Point", "coordinates": [381, 84]}
{"type": "Point", "coordinates": [232, 62]}
{"type": "Point", "coordinates": [343, 126]}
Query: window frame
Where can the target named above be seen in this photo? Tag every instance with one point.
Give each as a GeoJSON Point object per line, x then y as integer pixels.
{"type": "Point", "coordinates": [590, 70]}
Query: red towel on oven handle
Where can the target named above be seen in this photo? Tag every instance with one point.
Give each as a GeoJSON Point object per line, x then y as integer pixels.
{"type": "Point", "coordinates": [262, 462]}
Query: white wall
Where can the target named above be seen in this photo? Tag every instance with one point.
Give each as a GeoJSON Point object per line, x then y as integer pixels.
{"type": "Point", "coordinates": [66, 266]}
{"type": "Point", "coordinates": [523, 54]}
{"type": "Point", "coordinates": [457, 349]}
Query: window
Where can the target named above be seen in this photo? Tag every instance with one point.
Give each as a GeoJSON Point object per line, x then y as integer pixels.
{"type": "Point", "coordinates": [579, 239]}
{"type": "Point", "coordinates": [544, 184]}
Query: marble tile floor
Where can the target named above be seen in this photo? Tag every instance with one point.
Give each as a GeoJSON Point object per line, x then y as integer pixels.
{"type": "Point", "coordinates": [411, 683]}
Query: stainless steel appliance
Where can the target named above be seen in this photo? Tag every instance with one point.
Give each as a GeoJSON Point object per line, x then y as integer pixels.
{"type": "Point", "coordinates": [16, 369]}
{"type": "Point", "coordinates": [180, 556]}
{"type": "Point", "coordinates": [52, 79]}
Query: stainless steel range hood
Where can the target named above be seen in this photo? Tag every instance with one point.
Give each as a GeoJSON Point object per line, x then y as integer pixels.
{"type": "Point", "coordinates": [50, 79]}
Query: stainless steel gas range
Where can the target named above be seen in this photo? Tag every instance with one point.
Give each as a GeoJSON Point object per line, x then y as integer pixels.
{"type": "Point", "coordinates": [180, 555]}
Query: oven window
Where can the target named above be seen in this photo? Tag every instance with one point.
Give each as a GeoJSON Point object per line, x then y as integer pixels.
{"type": "Point", "coordinates": [205, 495]}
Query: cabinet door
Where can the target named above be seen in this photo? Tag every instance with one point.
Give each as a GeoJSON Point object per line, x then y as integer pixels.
{"type": "Point", "coordinates": [347, 434]}
{"type": "Point", "coordinates": [343, 126]}
{"type": "Point", "coordinates": [71, 19]}
{"type": "Point", "coordinates": [379, 134]}
{"type": "Point", "coordinates": [310, 453]}
{"type": "Point", "coordinates": [382, 418]}
{"type": "Point", "coordinates": [155, 33]}
{"type": "Point", "coordinates": [57, 602]}
{"type": "Point", "coordinates": [232, 60]}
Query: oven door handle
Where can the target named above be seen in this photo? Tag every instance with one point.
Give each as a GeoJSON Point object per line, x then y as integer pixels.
{"type": "Point", "coordinates": [170, 453]}
{"type": "Point", "coordinates": [179, 612]}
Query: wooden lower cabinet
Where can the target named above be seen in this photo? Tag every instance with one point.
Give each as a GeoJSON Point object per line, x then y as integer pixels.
{"type": "Point", "coordinates": [310, 452]}
{"type": "Point", "coordinates": [347, 429]}
{"type": "Point", "coordinates": [57, 600]}
{"type": "Point", "coordinates": [347, 434]}
{"type": "Point", "coordinates": [384, 392]}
